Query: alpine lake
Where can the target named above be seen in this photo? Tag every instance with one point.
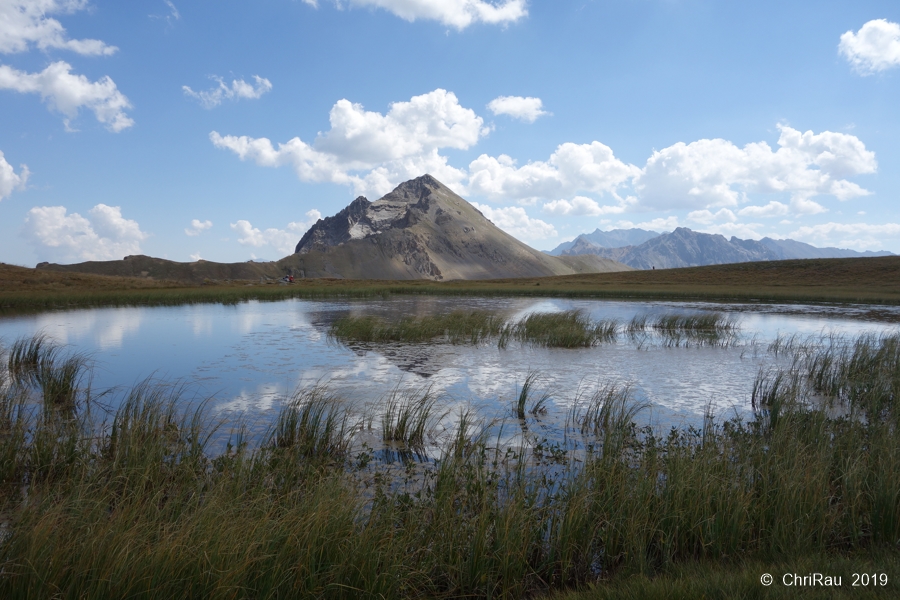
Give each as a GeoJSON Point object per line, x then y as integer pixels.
{"type": "Point", "coordinates": [446, 447]}
{"type": "Point", "coordinates": [245, 361]}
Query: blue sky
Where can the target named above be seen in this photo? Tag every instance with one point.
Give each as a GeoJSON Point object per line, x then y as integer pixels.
{"type": "Point", "coordinates": [223, 129]}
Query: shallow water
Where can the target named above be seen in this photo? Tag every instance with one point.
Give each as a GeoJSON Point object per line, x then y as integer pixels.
{"type": "Point", "coordinates": [248, 358]}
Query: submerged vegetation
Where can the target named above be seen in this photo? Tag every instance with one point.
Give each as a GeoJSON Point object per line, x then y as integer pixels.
{"type": "Point", "coordinates": [140, 504]}
{"type": "Point", "coordinates": [564, 329]}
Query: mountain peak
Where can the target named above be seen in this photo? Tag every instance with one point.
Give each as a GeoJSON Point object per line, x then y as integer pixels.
{"type": "Point", "coordinates": [422, 229]}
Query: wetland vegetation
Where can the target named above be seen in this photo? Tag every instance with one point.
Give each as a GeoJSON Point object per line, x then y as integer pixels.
{"type": "Point", "coordinates": [140, 502]}
{"type": "Point", "coordinates": [564, 329]}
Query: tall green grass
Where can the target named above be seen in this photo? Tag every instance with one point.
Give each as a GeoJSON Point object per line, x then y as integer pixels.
{"type": "Point", "coordinates": [456, 327]}
{"type": "Point", "coordinates": [408, 419]}
{"type": "Point", "coordinates": [529, 402]}
{"type": "Point", "coordinates": [39, 362]}
{"type": "Point", "coordinates": [564, 329]}
{"type": "Point", "coordinates": [714, 329]}
{"type": "Point", "coordinates": [138, 505]}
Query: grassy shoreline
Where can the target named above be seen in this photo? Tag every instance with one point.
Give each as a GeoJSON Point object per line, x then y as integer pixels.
{"type": "Point", "coordinates": [137, 505]}
{"type": "Point", "coordinates": [857, 280]}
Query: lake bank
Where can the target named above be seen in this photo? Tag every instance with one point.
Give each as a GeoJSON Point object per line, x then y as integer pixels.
{"type": "Point", "coordinates": [850, 280]}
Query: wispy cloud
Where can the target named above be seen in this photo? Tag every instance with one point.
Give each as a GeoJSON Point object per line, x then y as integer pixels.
{"type": "Point", "coordinates": [171, 17]}
{"type": "Point", "coordinates": [238, 89]}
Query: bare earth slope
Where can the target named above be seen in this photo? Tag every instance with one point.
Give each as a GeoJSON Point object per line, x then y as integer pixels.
{"type": "Point", "coordinates": [422, 230]}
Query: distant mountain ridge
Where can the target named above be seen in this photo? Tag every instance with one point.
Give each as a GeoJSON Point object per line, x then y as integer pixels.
{"type": "Point", "coordinates": [614, 238]}
{"type": "Point", "coordinates": [686, 248]}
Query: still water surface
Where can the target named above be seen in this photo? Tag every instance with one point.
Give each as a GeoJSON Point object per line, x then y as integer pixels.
{"type": "Point", "coordinates": [249, 357]}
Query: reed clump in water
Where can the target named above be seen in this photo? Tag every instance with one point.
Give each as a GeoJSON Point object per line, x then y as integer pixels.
{"type": "Point", "coordinates": [40, 363]}
{"type": "Point", "coordinates": [408, 418]}
{"type": "Point", "coordinates": [311, 425]}
{"type": "Point", "coordinates": [457, 327]}
{"type": "Point", "coordinates": [139, 505]}
{"type": "Point", "coordinates": [707, 329]}
{"type": "Point", "coordinates": [527, 401]}
{"type": "Point", "coordinates": [565, 329]}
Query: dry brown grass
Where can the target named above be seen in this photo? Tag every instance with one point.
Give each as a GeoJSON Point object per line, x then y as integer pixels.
{"type": "Point", "coordinates": [872, 280]}
{"type": "Point", "coordinates": [15, 279]}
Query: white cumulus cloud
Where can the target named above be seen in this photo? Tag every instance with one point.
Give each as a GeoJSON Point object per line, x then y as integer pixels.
{"type": "Point", "coordinates": [454, 13]}
{"type": "Point", "coordinates": [238, 89]}
{"type": "Point", "coordinates": [516, 222]}
{"type": "Point", "coordinates": [9, 179]}
{"type": "Point", "coordinates": [27, 22]}
{"type": "Point", "coordinates": [859, 236]}
{"type": "Point", "coordinates": [875, 47]}
{"type": "Point", "coordinates": [572, 168]}
{"type": "Point", "coordinates": [714, 173]}
{"type": "Point", "coordinates": [517, 107]}
{"type": "Point", "coordinates": [707, 217]}
{"type": "Point", "coordinates": [67, 93]}
{"type": "Point", "coordinates": [197, 227]}
{"type": "Point", "coordinates": [283, 240]}
{"type": "Point", "coordinates": [772, 209]}
{"type": "Point", "coordinates": [745, 231]}
{"type": "Point", "coordinates": [657, 224]}
{"type": "Point", "coordinates": [579, 206]}
{"type": "Point", "coordinates": [104, 235]}
{"type": "Point", "coordinates": [371, 151]}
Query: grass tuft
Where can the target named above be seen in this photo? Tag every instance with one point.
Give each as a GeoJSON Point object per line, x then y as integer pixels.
{"type": "Point", "coordinates": [407, 419]}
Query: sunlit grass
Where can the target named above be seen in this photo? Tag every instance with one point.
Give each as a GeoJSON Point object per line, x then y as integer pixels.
{"type": "Point", "coordinates": [138, 505]}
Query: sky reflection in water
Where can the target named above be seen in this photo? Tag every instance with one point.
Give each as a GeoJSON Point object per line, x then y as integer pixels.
{"type": "Point", "coordinates": [249, 357]}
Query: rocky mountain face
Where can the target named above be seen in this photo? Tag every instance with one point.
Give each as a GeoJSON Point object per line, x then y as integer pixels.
{"type": "Point", "coordinates": [424, 230]}
{"type": "Point", "coordinates": [686, 248]}
{"type": "Point", "coordinates": [614, 238]}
